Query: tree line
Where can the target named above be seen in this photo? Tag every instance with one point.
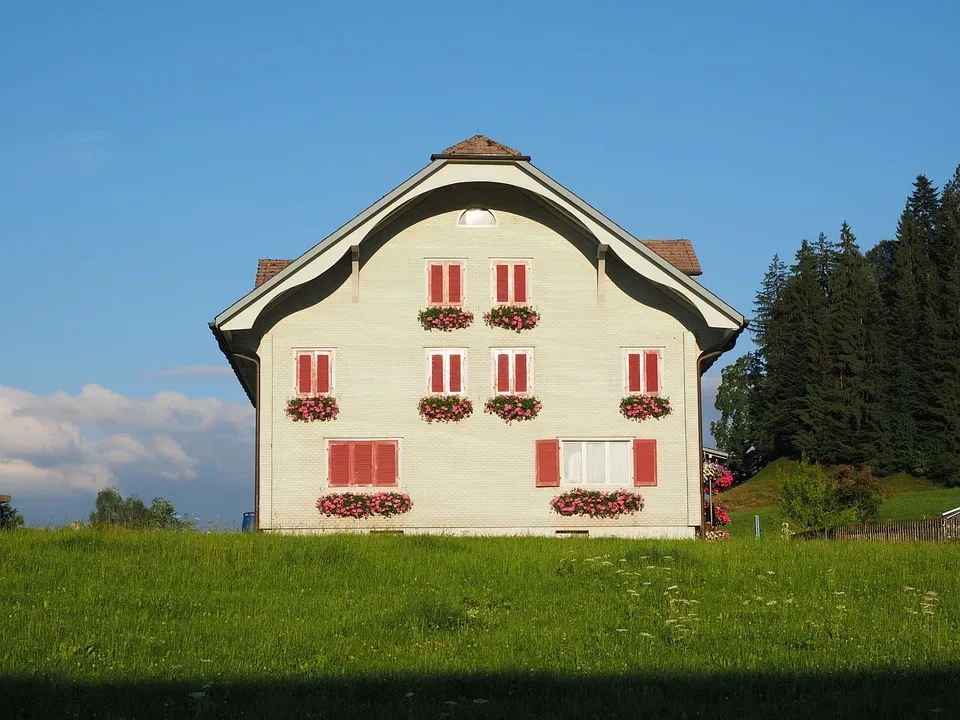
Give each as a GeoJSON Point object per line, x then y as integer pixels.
{"type": "Point", "coordinates": [857, 356]}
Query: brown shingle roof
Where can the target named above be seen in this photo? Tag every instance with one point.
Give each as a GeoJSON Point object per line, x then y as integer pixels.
{"type": "Point", "coordinates": [678, 253]}
{"type": "Point", "coordinates": [480, 146]}
{"type": "Point", "coordinates": [266, 269]}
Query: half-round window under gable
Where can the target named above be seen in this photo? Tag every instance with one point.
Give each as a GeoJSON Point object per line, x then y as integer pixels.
{"type": "Point", "coordinates": [477, 217]}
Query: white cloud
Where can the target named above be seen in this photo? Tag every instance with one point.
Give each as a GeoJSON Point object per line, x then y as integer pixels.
{"type": "Point", "coordinates": [196, 371]}
{"type": "Point", "coordinates": [98, 438]}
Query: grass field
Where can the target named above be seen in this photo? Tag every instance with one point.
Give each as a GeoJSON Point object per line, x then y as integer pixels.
{"type": "Point", "coordinates": [194, 625]}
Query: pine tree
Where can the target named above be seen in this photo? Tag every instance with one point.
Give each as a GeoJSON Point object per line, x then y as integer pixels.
{"type": "Point", "coordinates": [770, 287]}
{"type": "Point", "coordinates": [850, 406]}
{"type": "Point", "coordinates": [789, 424]}
{"type": "Point", "coordinates": [945, 252]}
{"type": "Point", "coordinates": [827, 254]}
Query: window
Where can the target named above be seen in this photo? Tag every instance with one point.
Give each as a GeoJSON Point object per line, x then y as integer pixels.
{"type": "Point", "coordinates": [363, 462]}
{"type": "Point", "coordinates": [314, 372]}
{"type": "Point", "coordinates": [596, 462]}
{"type": "Point", "coordinates": [445, 282]}
{"type": "Point", "coordinates": [512, 371]}
{"type": "Point", "coordinates": [510, 281]}
{"type": "Point", "coordinates": [592, 462]}
{"type": "Point", "coordinates": [642, 371]}
{"type": "Point", "coordinates": [477, 217]}
{"type": "Point", "coordinates": [446, 371]}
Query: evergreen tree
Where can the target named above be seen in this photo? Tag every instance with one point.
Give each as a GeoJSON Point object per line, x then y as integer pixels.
{"type": "Point", "coordinates": [827, 254]}
{"type": "Point", "coordinates": [850, 406]}
{"type": "Point", "coordinates": [791, 389]}
{"type": "Point", "coordinates": [738, 402]}
{"type": "Point", "coordinates": [770, 287]}
{"type": "Point", "coordinates": [945, 403]}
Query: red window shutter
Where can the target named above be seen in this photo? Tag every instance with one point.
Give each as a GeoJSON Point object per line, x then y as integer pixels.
{"type": "Point", "coordinates": [339, 464]}
{"type": "Point", "coordinates": [436, 373]}
{"type": "Point", "coordinates": [304, 373]}
{"type": "Point", "coordinates": [503, 283]}
{"type": "Point", "coordinates": [436, 284]}
{"type": "Point", "coordinates": [644, 462]}
{"type": "Point", "coordinates": [548, 463]}
{"type": "Point", "coordinates": [651, 370]}
{"type": "Point", "coordinates": [633, 372]}
{"type": "Point", "coordinates": [323, 374]}
{"type": "Point", "coordinates": [455, 373]}
{"type": "Point", "coordinates": [520, 373]}
{"type": "Point", "coordinates": [520, 283]}
{"type": "Point", "coordinates": [503, 372]}
{"type": "Point", "coordinates": [455, 284]}
{"type": "Point", "coordinates": [387, 464]}
{"type": "Point", "coordinates": [363, 463]}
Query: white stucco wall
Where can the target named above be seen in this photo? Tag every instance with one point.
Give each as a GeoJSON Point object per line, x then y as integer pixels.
{"type": "Point", "coordinates": [477, 475]}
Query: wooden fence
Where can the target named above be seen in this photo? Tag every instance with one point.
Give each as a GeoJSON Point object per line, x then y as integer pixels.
{"type": "Point", "coordinates": [929, 530]}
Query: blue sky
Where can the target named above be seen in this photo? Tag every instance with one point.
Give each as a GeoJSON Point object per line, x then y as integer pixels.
{"type": "Point", "coordinates": [149, 156]}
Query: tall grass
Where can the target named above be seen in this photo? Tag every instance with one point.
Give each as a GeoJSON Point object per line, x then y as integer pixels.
{"type": "Point", "coordinates": [137, 625]}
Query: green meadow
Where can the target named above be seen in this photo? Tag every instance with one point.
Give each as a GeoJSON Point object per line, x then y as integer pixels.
{"type": "Point", "coordinates": [204, 625]}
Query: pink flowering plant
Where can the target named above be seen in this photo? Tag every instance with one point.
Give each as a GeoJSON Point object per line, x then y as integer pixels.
{"type": "Point", "coordinates": [307, 409]}
{"type": "Point", "coordinates": [597, 503]}
{"type": "Point", "coordinates": [721, 515]}
{"type": "Point", "coordinates": [364, 505]}
{"type": "Point", "coordinates": [641, 407]}
{"type": "Point", "coordinates": [445, 408]}
{"type": "Point", "coordinates": [446, 318]}
{"type": "Point", "coordinates": [513, 407]}
{"type": "Point", "coordinates": [512, 317]}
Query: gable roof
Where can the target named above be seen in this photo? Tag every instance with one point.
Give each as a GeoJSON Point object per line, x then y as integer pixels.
{"type": "Point", "coordinates": [490, 160]}
{"type": "Point", "coordinates": [678, 253]}
{"type": "Point", "coordinates": [479, 147]}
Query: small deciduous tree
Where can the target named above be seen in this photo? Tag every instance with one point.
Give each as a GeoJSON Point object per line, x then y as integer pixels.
{"type": "Point", "coordinates": [113, 509]}
{"type": "Point", "coordinates": [10, 519]}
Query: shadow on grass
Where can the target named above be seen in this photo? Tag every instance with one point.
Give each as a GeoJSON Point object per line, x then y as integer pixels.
{"type": "Point", "coordinates": [909, 695]}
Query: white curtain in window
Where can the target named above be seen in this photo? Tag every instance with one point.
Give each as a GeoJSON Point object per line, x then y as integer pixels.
{"type": "Point", "coordinates": [572, 462]}
{"type": "Point", "coordinates": [620, 463]}
{"type": "Point", "coordinates": [596, 463]}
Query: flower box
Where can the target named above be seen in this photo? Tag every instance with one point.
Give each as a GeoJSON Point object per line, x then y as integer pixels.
{"type": "Point", "coordinates": [513, 407]}
{"type": "Point", "coordinates": [308, 409]}
{"type": "Point", "coordinates": [445, 408]}
{"type": "Point", "coordinates": [512, 317]}
{"type": "Point", "coordinates": [597, 503]}
{"type": "Point", "coordinates": [446, 318]}
{"type": "Point", "coordinates": [641, 407]}
{"type": "Point", "coordinates": [364, 505]}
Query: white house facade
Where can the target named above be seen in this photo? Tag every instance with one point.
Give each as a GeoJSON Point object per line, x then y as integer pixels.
{"type": "Point", "coordinates": [478, 228]}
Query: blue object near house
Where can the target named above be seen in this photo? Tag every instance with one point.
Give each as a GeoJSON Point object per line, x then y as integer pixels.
{"type": "Point", "coordinates": [248, 521]}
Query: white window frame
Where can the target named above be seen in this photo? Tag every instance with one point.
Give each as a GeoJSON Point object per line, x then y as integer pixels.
{"type": "Point", "coordinates": [446, 262]}
{"type": "Point", "coordinates": [329, 352]}
{"type": "Point", "coordinates": [512, 352]}
{"type": "Point", "coordinates": [496, 221]}
{"type": "Point", "coordinates": [567, 482]}
{"type": "Point", "coordinates": [446, 353]}
{"type": "Point", "coordinates": [510, 275]}
{"type": "Point", "coordinates": [625, 368]}
{"type": "Point", "coordinates": [349, 488]}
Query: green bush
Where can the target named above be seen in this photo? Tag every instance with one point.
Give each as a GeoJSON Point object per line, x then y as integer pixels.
{"type": "Point", "coordinates": [10, 519]}
{"type": "Point", "coordinates": [812, 497]}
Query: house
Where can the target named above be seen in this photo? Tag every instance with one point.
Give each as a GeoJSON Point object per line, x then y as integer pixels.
{"type": "Point", "coordinates": [602, 316]}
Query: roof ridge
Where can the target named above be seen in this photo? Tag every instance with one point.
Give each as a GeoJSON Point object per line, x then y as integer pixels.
{"type": "Point", "coordinates": [479, 147]}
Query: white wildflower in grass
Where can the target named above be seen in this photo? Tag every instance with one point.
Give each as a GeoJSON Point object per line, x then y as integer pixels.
{"type": "Point", "coordinates": [621, 629]}
{"type": "Point", "coordinates": [672, 587]}
{"type": "Point", "coordinates": [646, 634]}
{"type": "Point", "coordinates": [770, 572]}
{"type": "Point", "coordinates": [198, 695]}
{"type": "Point", "coordinates": [480, 701]}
